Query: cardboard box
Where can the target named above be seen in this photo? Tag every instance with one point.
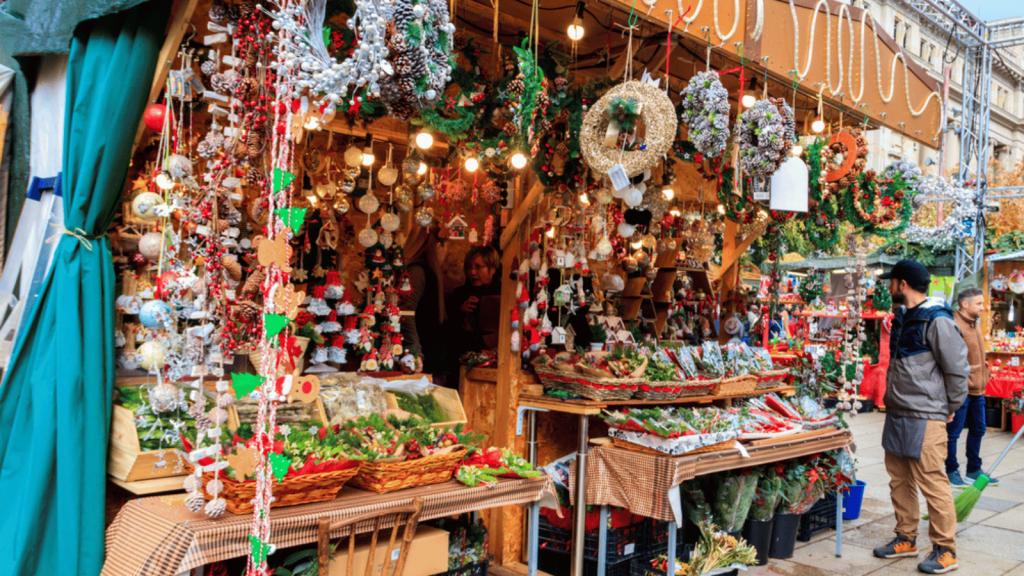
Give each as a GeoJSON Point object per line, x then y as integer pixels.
{"type": "Point", "coordinates": [428, 554]}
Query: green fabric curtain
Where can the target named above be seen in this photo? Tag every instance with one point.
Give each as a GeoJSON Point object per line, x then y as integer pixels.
{"type": "Point", "coordinates": [55, 401]}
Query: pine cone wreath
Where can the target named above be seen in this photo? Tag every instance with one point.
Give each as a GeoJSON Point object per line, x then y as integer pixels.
{"type": "Point", "coordinates": [516, 86]}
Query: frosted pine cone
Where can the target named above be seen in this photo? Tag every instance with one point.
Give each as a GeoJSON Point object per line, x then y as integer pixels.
{"type": "Point", "coordinates": [215, 508]}
{"type": "Point", "coordinates": [206, 150]}
{"type": "Point", "coordinates": [195, 501]}
{"type": "Point", "coordinates": [209, 67]}
{"type": "Point", "coordinates": [219, 13]}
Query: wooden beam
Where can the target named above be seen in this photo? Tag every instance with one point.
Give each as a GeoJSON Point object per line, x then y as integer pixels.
{"type": "Point", "coordinates": [620, 65]}
{"type": "Point", "coordinates": [522, 211]}
{"type": "Point", "coordinates": [180, 19]}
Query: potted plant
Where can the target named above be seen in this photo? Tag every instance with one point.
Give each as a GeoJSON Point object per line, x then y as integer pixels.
{"type": "Point", "coordinates": [598, 336]}
{"type": "Point", "coordinates": [802, 486]}
{"type": "Point", "coordinates": [758, 528]}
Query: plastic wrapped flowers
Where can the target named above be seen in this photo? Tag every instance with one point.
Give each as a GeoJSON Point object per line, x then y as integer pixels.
{"type": "Point", "coordinates": [706, 113]}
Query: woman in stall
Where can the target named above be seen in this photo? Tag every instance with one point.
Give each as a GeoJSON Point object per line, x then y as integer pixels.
{"type": "Point", "coordinates": [422, 332]}
{"type": "Point", "coordinates": [474, 307]}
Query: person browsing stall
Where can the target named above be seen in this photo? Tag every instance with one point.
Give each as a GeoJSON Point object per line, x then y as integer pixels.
{"type": "Point", "coordinates": [475, 305]}
{"type": "Point", "coordinates": [970, 304]}
{"type": "Point", "coordinates": [926, 385]}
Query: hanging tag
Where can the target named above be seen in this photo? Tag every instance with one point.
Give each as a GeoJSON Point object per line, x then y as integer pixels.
{"type": "Point", "coordinates": [203, 230]}
{"type": "Point", "coordinates": [212, 39]}
{"type": "Point", "coordinates": [231, 61]}
{"type": "Point", "coordinates": [617, 174]}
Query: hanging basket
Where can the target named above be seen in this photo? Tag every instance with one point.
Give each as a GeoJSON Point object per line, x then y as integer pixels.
{"type": "Point", "coordinates": [382, 476]}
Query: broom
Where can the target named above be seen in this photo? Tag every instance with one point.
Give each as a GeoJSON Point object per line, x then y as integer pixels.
{"type": "Point", "coordinates": [965, 502]}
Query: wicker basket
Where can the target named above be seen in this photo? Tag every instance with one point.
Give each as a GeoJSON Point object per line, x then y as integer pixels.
{"type": "Point", "coordinates": [317, 487]}
{"type": "Point", "coordinates": [735, 386]}
{"type": "Point", "coordinates": [587, 386]}
{"type": "Point", "coordinates": [382, 477]}
{"type": "Point", "coordinates": [771, 378]}
{"type": "Point", "coordinates": [697, 388]}
{"type": "Point", "coordinates": [648, 390]}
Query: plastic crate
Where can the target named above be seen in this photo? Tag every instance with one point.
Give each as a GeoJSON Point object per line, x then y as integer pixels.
{"type": "Point", "coordinates": [478, 569]}
{"type": "Point", "coordinates": [821, 516]}
{"type": "Point", "coordinates": [559, 564]}
{"type": "Point", "coordinates": [623, 543]}
{"type": "Point", "coordinates": [656, 540]}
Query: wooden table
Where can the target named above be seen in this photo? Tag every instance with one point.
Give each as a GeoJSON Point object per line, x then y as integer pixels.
{"type": "Point", "coordinates": [584, 409]}
{"type": "Point", "coordinates": [158, 536]}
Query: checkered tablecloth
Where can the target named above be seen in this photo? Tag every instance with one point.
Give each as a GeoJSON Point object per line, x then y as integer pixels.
{"type": "Point", "coordinates": [643, 483]}
{"type": "Point", "coordinates": [159, 536]}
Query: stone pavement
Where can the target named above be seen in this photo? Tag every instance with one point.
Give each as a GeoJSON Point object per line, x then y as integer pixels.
{"type": "Point", "coordinates": [989, 543]}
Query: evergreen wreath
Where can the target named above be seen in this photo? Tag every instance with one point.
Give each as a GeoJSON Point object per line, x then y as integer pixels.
{"type": "Point", "coordinates": [822, 219]}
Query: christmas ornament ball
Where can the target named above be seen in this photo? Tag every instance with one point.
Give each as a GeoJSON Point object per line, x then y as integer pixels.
{"type": "Point", "coordinates": [390, 222]}
{"type": "Point", "coordinates": [151, 355]}
{"type": "Point", "coordinates": [144, 206]}
{"type": "Point", "coordinates": [626, 230]}
{"type": "Point", "coordinates": [404, 206]}
{"type": "Point", "coordinates": [348, 185]}
{"type": "Point", "coordinates": [403, 193]}
{"type": "Point", "coordinates": [604, 247]}
{"type": "Point", "coordinates": [629, 264]}
{"type": "Point", "coordinates": [367, 237]}
{"type": "Point", "coordinates": [651, 273]}
{"type": "Point", "coordinates": [150, 244]}
{"type": "Point", "coordinates": [154, 117]}
{"type": "Point", "coordinates": [138, 261]}
{"type": "Point", "coordinates": [388, 175]}
{"type": "Point", "coordinates": [342, 205]}
{"type": "Point", "coordinates": [353, 156]}
{"type": "Point", "coordinates": [368, 203]}
{"type": "Point", "coordinates": [164, 396]}
{"type": "Point", "coordinates": [424, 216]}
{"type": "Point", "coordinates": [154, 313]}
{"type": "Point", "coordinates": [426, 191]}
{"type": "Point", "coordinates": [178, 166]}
{"type": "Point", "coordinates": [642, 258]}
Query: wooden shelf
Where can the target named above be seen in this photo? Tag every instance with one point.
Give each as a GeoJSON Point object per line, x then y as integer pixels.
{"type": "Point", "coordinates": [154, 486]}
{"type": "Point", "coordinates": [594, 407]}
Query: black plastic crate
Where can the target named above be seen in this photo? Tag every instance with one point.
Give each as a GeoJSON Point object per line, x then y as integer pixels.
{"type": "Point", "coordinates": [821, 516]}
{"type": "Point", "coordinates": [623, 543]}
{"type": "Point", "coordinates": [478, 569]}
{"type": "Point", "coordinates": [656, 540]}
{"type": "Point", "coordinates": [559, 564]}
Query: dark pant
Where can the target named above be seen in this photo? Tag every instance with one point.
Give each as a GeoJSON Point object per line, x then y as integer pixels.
{"type": "Point", "coordinates": [972, 413]}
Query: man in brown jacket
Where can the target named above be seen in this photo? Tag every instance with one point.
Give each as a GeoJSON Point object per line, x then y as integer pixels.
{"type": "Point", "coordinates": [971, 303]}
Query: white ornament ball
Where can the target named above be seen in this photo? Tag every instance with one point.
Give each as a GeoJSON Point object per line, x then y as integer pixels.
{"type": "Point", "coordinates": [149, 245]}
{"type": "Point", "coordinates": [633, 198]}
{"type": "Point", "coordinates": [390, 222]}
{"type": "Point", "coordinates": [367, 237]}
{"type": "Point", "coordinates": [368, 203]}
{"type": "Point", "coordinates": [424, 217]}
{"type": "Point", "coordinates": [165, 396]}
{"type": "Point", "coordinates": [388, 175]}
{"type": "Point", "coordinates": [150, 355]}
{"type": "Point", "coordinates": [145, 204]}
{"type": "Point", "coordinates": [604, 247]}
{"type": "Point", "coordinates": [625, 230]}
{"type": "Point", "coordinates": [353, 156]}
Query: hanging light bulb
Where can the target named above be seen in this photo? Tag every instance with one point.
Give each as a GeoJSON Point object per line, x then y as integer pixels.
{"type": "Point", "coordinates": [675, 212]}
{"type": "Point", "coordinates": [551, 233]}
{"type": "Point", "coordinates": [636, 245]}
{"type": "Point", "coordinates": [584, 199]}
{"type": "Point", "coordinates": [164, 180]}
{"type": "Point", "coordinates": [748, 100]}
{"type": "Point", "coordinates": [575, 30]}
{"type": "Point", "coordinates": [797, 150]}
{"type": "Point", "coordinates": [818, 125]}
{"type": "Point", "coordinates": [669, 193]}
{"type": "Point", "coordinates": [368, 152]}
{"type": "Point", "coordinates": [424, 140]}
{"type": "Point", "coordinates": [422, 169]}
{"type": "Point", "coordinates": [518, 160]}
{"type": "Point", "coordinates": [472, 164]}
{"type": "Point", "coordinates": [721, 209]}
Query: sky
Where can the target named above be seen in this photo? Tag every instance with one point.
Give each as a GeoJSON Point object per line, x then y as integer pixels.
{"type": "Point", "coordinates": [994, 9]}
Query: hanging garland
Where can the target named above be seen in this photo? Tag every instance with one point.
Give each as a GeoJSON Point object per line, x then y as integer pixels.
{"type": "Point", "coordinates": [822, 219]}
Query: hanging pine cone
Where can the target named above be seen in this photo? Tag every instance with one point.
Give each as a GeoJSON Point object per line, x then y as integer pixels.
{"type": "Point", "coordinates": [219, 12]}
{"type": "Point", "coordinates": [250, 57]}
{"type": "Point", "coordinates": [402, 65]}
{"type": "Point", "coordinates": [509, 62]}
{"type": "Point", "coordinates": [209, 67]}
{"type": "Point", "coordinates": [562, 149]}
{"type": "Point", "coordinates": [245, 9]}
{"type": "Point", "coordinates": [563, 117]}
{"type": "Point", "coordinates": [215, 138]}
{"type": "Point", "coordinates": [511, 129]}
{"type": "Point", "coordinates": [254, 176]}
{"type": "Point", "coordinates": [401, 109]}
{"type": "Point", "coordinates": [248, 310]}
{"type": "Point", "coordinates": [516, 86]}
{"type": "Point", "coordinates": [221, 83]}
{"type": "Point", "coordinates": [252, 284]}
{"type": "Point", "coordinates": [239, 151]}
{"type": "Point", "coordinates": [543, 100]}
{"type": "Point", "coordinates": [206, 150]}
{"type": "Point", "coordinates": [254, 143]}
{"type": "Point", "coordinates": [407, 85]}
{"type": "Point", "coordinates": [543, 126]}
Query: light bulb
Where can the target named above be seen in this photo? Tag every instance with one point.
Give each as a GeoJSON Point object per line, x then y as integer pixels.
{"type": "Point", "coordinates": [472, 164]}
{"type": "Point", "coordinates": [551, 233]}
{"type": "Point", "coordinates": [748, 100]}
{"type": "Point", "coordinates": [575, 30]}
{"type": "Point", "coordinates": [368, 156]}
{"type": "Point", "coordinates": [424, 140]}
{"type": "Point", "coordinates": [669, 193]}
{"type": "Point", "coordinates": [818, 126]}
{"type": "Point", "coordinates": [422, 169]}
{"type": "Point", "coordinates": [797, 150]}
{"type": "Point", "coordinates": [584, 199]}
{"type": "Point", "coordinates": [675, 212]}
{"type": "Point", "coordinates": [311, 123]}
{"type": "Point", "coordinates": [721, 209]}
{"type": "Point", "coordinates": [518, 160]}
{"type": "Point", "coordinates": [163, 180]}
{"type": "Point", "coordinates": [636, 245]}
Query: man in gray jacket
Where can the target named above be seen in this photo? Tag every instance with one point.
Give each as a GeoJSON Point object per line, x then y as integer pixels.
{"type": "Point", "coordinates": [925, 385]}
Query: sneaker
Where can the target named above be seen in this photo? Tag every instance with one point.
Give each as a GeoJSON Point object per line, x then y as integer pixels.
{"type": "Point", "coordinates": [956, 481]}
{"type": "Point", "coordinates": [900, 547]}
{"type": "Point", "coordinates": [974, 476]}
{"type": "Point", "coordinates": [939, 561]}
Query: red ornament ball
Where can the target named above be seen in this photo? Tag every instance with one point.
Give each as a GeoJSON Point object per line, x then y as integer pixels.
{"type": "Point", "coordinates": [138, 261]}
{"type": "Point", "coordinates": [154, 117]}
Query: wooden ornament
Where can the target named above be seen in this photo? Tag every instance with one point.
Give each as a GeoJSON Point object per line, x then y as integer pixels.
{"type": "Point", "coordinates": [849, 142]}
{"type": "Point", "coordinates": [287, 301]}
{"type": "Point", "coordinates": [243, 461]}
{"type": "Point", "coordinates": [276, 252]}
{"type": "Point", "coordinates": [305, 389]}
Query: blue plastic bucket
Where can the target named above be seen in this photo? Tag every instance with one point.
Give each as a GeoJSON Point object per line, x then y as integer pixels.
{"type": "Point", "coordinates": [853, 497]}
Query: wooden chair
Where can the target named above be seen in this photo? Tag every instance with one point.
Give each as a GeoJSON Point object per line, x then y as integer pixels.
{"type": "Point", "coordinates": [407, 516]}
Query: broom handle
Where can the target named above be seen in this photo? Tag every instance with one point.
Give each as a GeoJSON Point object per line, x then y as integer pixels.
{"type": "Point", "coordinates": [1005, 450]}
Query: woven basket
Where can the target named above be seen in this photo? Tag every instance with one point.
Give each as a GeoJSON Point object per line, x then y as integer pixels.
{"type": "Point", "coordinates": [300, 361]}
{"type": "Point", "coordinates": [318, 487]}
{"type": "Point", "coordinates": [382, 477]}
{"type": "Point", "coordinates": [697, 388]}
{"type": "Point", "coordinates": [658, 390]}
{"type": "Point", "coordinates": [735, 386]}
{"type": "Point", "coordinates": [587, 386]}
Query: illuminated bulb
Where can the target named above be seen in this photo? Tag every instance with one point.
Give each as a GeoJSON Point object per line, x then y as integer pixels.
{"type": "Point", "coordinates": [518, 160]}
{"type": "Point", "coordinates": [721, 209]}
{"type": "Point", "coordinates": [748, 100]}
{"type": "Point", "coordinates": [675, 212]}
{"type": "Point", "coordinates": [584, 199]}
{"type": "Point", "coordinates": [311, 123]}
{"type": "Point", "coordinates": [636, 245]}
{"type": "Point", "coordinates": [472, 164]}
{"type": "Point", "coordinates": [575, 30]}
{"type": "Point", "coordinates": [424, 140]}
{"type": "Point", "coordinates": [551, 233]}
{"type": "Point", "coordinates": [422, 169]}
{"type": "Point", "coordinates": [818, 126]}
{"type": "Point", "coordinates": [797, 150]}
{"type": "Point", "coordinates": [368, 156]}
{"type": "Point", "coordinates": [164, 181]}
{"type": "Point", "coordinates": [669, 193]}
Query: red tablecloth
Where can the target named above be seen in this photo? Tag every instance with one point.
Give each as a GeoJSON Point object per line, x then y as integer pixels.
{"type": "Point", "coordinates": [1003, 387]}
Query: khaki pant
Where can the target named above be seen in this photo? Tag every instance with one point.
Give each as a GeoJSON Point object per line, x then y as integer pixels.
{"type": "Point", "coordinates": [928, 474]}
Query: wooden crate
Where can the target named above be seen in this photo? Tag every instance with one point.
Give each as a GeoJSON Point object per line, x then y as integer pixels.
{"type": "Point", "coordinates": [449, 400]}
{"type": "Point", "coordinates": [128, 462]}
{"type": "Point", "coordinates": [318, 413]}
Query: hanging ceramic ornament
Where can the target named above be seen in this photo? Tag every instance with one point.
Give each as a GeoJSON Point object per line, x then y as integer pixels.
{"type": "Point", "coordinates": [642, 258]}
{"type": "Point", "coordinates": [368, 203]}
{"type": "Point", "coordinates": [629, 264]}
{"type": "Point", "coordinates": [386, 239]}
{"type": "Point", "coordinates": [178, 166]}
{"type": "Point", "coordinates": [388, 175]}
{"type": "Point", "coordinates": [426, 191]}
{"type": "Point", "coordinates": [154, 313]}
{"type": "Point", "coordinates": [424, 217]}
{"type": "Point", "coordinates": [342, 205]}
{"type": "Point", "coordinates": [165, 396]}
{"type": "Point", "coordinates": [151, 355]}
{"type": "Point", "coordinates": [353, 156]}
{"type": "Point", "coordinates": [150, 244]}
{"type": "Point", "coordinates": [367, 237]}
{"type": "Point", "coordinates": [145, 205]}
{"type": "Point", "coordinates": [626, 230]}
{"type": "Point", "coordinates": [604, 247]}
{"type": "Point", "coordinates": [348, 185]}
{"type": "Point", "coordinates": [390, 222]}
{"type": "Point", "coordinates": [632, 196]}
